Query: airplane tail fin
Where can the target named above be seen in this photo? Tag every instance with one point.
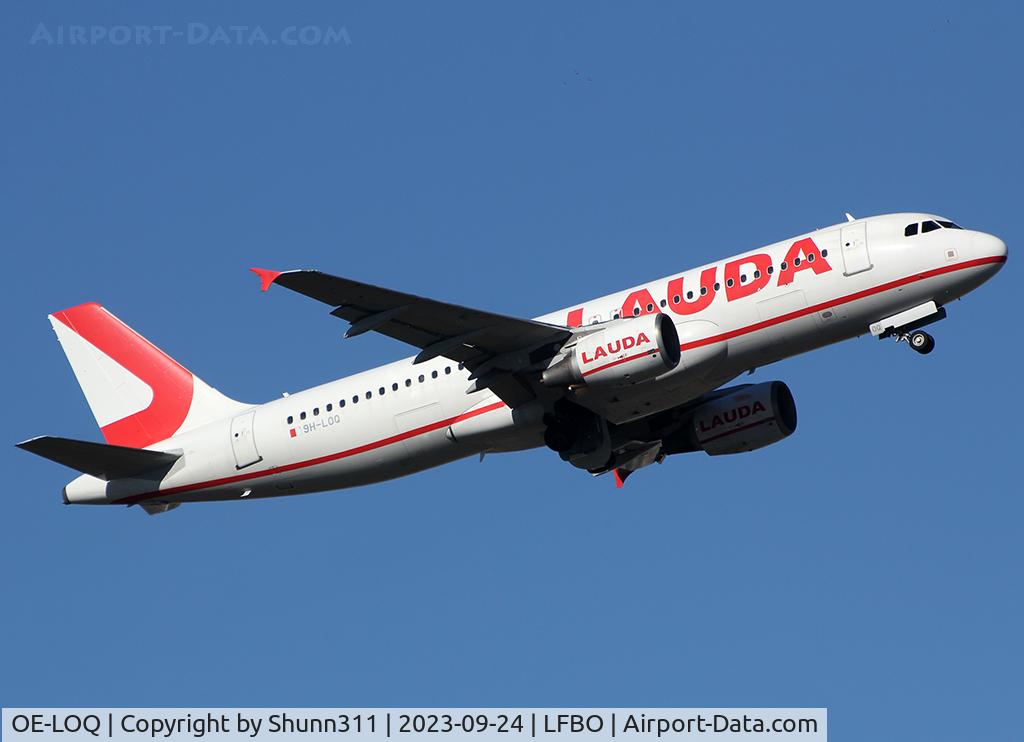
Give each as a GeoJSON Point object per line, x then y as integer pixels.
{"type": "Point", "coordinates": [138, 394]}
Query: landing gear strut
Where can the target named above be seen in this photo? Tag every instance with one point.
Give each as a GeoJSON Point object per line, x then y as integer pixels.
{"type": "Point", "coordinates": [921, 342]}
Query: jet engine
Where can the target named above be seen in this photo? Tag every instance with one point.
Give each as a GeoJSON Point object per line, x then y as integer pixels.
{"type": "Point", "coordinates": [620, 353]}
{"type": "Point", "coordinates": [743, 419]}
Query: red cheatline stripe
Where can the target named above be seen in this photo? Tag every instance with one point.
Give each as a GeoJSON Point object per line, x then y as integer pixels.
{"type": "Point", "coordinates": [621, 360]}
{"type": "Point", "coordinates": [498, 405]}
{"type": "Point", "coordinates": [314, 462]}
{"type": "Point", "coordinates": [841, 300]}
{"type": "Point", "coordinates": [737, 430]}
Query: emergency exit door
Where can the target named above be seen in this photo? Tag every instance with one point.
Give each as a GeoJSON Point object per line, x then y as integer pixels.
{"type": "Point", "coordinates": [853, 239]}
{"type": "Point", "coordinates": [243, 442]}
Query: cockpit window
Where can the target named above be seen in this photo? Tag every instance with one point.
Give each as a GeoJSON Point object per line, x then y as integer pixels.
{"type": "Point", "coordinates": [929, 226]}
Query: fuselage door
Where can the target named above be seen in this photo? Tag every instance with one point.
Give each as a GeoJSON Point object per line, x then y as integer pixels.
{"type": "Point", "coordinates": [854, 241]}
{"type": "Point", "coordinates": [243, 441]}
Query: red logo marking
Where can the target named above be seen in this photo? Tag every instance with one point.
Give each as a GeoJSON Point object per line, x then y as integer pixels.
{"type": "Point", "coordinates": [639, 300]}
{"type": "Point", "coordinates": [757, 265]}
{"type": "Point", "coordinates": [702, 298]}
{"type": "Point", "coordinates": [731, 416]}
{"type": "Point", "coordinates": [603, 351]}
{"type": "Point", "coordinates": [795, 263]}
{"type": "Point", "coordinates": [802, 255]}
{"type": "Point", "coordinates": [171, 383]}
{"type": "Point", "coordinates": [267, 277]}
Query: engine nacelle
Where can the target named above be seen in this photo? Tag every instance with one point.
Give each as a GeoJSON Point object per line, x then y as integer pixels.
{"type": "Point", "coordinates": [623, 352]}
{"type": "Point", "coordinates": [747, 419]}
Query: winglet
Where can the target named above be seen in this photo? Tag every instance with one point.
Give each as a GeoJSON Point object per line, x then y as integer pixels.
{"type": "Point", "coordinates": [267, 277]}
{"type": "Point", "coordinates": [619, 479]}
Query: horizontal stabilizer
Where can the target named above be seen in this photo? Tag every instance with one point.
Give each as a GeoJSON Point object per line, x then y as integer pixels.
{"type": "Point", "coordinates": [99, 459]}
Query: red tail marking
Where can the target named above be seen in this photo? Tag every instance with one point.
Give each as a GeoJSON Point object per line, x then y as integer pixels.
{"type": "Point", "coordinates": [171, 383]}
{"type": "Point", "coordinates": [267, 277]}
{"type": "Point", "coordinates": [619, 481]}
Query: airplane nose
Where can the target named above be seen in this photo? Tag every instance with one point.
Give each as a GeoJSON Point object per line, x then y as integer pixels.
{"type": "Point", "coordinates": [989, 246]}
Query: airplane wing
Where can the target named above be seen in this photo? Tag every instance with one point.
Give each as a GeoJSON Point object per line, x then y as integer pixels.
{"type": "Point", "coordinates": [496, 348]}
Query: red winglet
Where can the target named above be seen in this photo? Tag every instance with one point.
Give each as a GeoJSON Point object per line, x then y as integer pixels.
{"type": "Point", "coordinates": [267, 277]}
{"type": "Point", "coordinates": [619, 481]}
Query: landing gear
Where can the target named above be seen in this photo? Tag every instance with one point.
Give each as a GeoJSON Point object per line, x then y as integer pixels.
{"type": "Point", "coordinates": [577, 435]}
{"type": "Point", "coordinates": [559, 436]}
{"type": "Point", "coordinates": [921, 342]}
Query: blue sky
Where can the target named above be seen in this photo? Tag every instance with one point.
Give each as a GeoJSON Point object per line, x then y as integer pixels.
{"type": "Point", "coordinates": [518, 158]}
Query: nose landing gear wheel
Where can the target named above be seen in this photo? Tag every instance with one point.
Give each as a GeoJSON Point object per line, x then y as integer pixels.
{"type": "Point", "coordinates": [921, 342]}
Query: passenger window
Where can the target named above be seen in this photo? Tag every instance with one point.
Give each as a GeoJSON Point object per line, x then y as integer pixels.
{"type": "Point", "coordinates": [929, 226]}
{"type": "Point", "coordinates": [316, 411]}
{"type": "Point", "coordinates": [329, 407]}
{"type": "Point", "coordinates": [433, 374]}
{"type": "Point", "coordinates": [302, 415]}
{"type": "Point", "coordinates": [355, 399]}
{"type": "Point", "coordinates": [447, 370]}
{"type": "Point", "coordinates": [341, 403]}
{"type": "Point", "coordinates": [369, 395]}
{"type": "Point", "coordinates": [290, 419]}
{"type": "Point", "coordinates": [911, 230]}
{"type": "Point", "coordinates": [394, 387]}
{"type": "Point", "coordinates": [422, 378]}
{"type": "Point", "coordinates": [408, 382]}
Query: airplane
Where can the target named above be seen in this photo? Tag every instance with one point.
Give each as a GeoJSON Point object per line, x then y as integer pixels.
{"type": "Point", "coordinates": [611, 385]}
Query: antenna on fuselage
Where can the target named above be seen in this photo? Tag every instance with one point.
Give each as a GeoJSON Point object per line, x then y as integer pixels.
{"type": "Point", "coordinates": [849, 216]}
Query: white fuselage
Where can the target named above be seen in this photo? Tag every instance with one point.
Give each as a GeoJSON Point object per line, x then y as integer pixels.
{"type": "Point", "coordinates": [401, 418]}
